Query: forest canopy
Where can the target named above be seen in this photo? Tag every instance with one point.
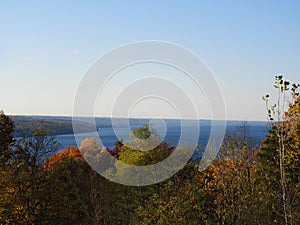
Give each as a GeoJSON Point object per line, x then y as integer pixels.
{"type": "Point", "coordinates": [246, 183]}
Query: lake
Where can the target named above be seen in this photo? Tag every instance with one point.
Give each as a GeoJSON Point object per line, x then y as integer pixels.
{"type": "Point", "coordinates": [171, 133]}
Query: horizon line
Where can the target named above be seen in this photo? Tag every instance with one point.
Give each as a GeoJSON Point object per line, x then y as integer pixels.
{"type": "Point", "coordinates": [146, 118]}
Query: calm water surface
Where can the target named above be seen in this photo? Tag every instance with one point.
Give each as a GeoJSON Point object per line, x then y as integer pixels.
{"type": "Point", "coordinates": [172, 131]}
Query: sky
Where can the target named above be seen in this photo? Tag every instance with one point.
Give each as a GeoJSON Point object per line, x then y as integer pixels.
{"type": "Point", "coordinates": [46, 47]}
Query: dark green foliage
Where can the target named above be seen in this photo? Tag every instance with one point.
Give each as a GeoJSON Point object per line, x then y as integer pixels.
{"type": "Point", "coordinates": [268, 176]}
{"type": "Point", "coordinates": [78, 194]}
{"type": "Point", "coordinates": [6, 137]}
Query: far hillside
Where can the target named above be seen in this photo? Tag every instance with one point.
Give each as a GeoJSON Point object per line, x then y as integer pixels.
{"type": "Point", "coordinates": [57, 125]}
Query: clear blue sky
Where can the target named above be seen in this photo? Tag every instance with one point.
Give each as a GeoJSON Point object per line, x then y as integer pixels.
{"type": "Point", "coordinates": [46, 46]}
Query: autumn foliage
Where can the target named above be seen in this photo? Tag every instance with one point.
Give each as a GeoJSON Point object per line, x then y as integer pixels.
{"type": "Point", "coordinates": [72, 152]}
{"type": "Point", "coordinates": [242, 186]}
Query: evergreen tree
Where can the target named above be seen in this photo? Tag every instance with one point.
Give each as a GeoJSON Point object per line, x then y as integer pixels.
{"type": "Point", "coordinates": [6, 137]}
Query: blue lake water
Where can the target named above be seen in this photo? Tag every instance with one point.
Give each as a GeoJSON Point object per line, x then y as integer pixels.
{"type": "Point", "coordinates": [171, 134]}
